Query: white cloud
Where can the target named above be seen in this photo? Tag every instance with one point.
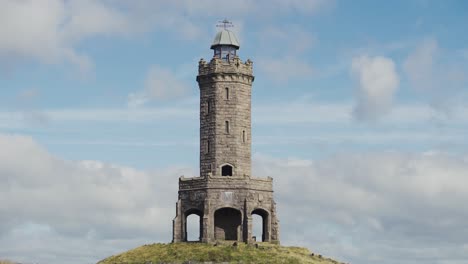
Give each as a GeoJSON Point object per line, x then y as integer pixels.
{"type": "Point", "coordinates": [290, 39]}
{"type": "Point", "coordinates": [90, 17]}
{"type": "Point", "coordinates": [378, 82]}
{"type": "Point", "coordinates": [160, 84]}
{"type": "Point", "coordinates": [48, 30]}
{"type": "Point", "coordinates": [292, 113]}
{"type": "Point", "coordinates": [419, 65]}
{"type": "Point", "coordinates": [409, 203]}
{"type": "Point", "coordinates": [285, 68]}
{"type": "Point", "coordinates": [437, 75]}
{"type": "Point", "coordinates": [305, 6]}
{"type": "Point", "coordinates": [82, 202]}
{"type": "Point", "coordinates": [262, 8]}
{"type": "Point", "coordinates": [282, 53]}
{"type": "Point", "coordinates": [413, 126]}
{"type": "Point", "coordinates": [81, 211]}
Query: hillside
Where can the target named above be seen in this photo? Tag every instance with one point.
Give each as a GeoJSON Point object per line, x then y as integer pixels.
{"type": "Point", "coordinates": [221, 253]}
{"type": "Point", "coordinates": [6, 262]}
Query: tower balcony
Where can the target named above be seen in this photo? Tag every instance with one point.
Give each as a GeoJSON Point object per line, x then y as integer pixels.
{"type": "Point", "coordinates": [226, 182]}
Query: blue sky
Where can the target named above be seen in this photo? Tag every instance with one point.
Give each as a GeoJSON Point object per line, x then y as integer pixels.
{"type": "Point", "coordinates": [358, 105]}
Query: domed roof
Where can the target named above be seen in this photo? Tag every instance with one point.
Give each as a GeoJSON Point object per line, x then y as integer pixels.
{"type": "Point", "coordinates": [225, 37]}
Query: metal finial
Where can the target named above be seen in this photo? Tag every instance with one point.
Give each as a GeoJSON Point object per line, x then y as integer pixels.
{"type": "Point", "coordinates": [225, 24]}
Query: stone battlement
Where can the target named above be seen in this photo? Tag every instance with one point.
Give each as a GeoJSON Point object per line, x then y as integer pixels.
{"type": "Point", "coordinates": [234, 65]}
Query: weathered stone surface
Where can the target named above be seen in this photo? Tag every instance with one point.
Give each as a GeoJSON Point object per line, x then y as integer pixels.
{"type": "Point", "coordinates": [225, 204]}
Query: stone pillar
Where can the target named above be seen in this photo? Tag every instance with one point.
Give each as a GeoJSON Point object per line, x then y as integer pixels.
{"type": "Point", "coordinates": [201, 229]}
{"type": "Point", "coordinates": [183, 219]}
{"type": "Point", "coordinates": [247, 223]}
{"type": "Point", "coordinates": [267, 228]}
{"type": "Point", "coordinates": [248, 227]}
{"type": "Point", "coordinates": [177, 224]}
{"type": "Point", "coordinates": [275, 228]}
{"type": "Point", "coordinates": [207, 235]}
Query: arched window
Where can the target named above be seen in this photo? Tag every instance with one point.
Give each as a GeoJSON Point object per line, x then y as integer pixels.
{"type": "Point", "coordinates": [260, 224]}
{"type": "Point", "coordinates": [257, 228]}
{"type": "Point", "coordinates": [226, 170]}
{"type": "Point", "coordinates": [193, 225]}
{"type": "Point", "coordinates": [226, 124]}
{"type": "Point", "coordinates": [227, 93]}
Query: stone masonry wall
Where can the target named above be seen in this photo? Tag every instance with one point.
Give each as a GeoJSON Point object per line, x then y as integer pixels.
{"type": "Point", "coordinates": [218, 106]}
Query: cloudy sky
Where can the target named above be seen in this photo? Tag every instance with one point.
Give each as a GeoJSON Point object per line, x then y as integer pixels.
{"type": "Point", "coordinates": [360, 115]}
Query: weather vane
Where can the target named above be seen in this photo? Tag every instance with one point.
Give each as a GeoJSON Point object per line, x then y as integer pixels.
{"type": "Point", "coordinates": [225, 24]}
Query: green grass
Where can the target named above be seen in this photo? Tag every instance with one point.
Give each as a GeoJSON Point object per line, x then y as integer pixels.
{"type": "Point", "coordinates": [176, 253]}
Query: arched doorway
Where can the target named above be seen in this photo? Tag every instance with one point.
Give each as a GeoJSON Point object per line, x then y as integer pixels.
{"type": "Point", "coordinates": [264, 224]}
{"type": "Point", "coordinates": [226, 170]}
{"type": "Point", "coordinates": [193, 222]}
{"type": "Point", "coordinates": [227, 224]}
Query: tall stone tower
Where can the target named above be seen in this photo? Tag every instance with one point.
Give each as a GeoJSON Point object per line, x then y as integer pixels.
{"type": "Point", "coordinates": [225, 196]}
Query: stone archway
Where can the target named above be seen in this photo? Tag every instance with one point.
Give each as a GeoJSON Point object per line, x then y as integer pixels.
{"type": "Point", "coordinates": [200, 219]}
{"type": "Point", "coordinates": [265, 223]}
{"type": "Point", "coordinates": [227, 224]}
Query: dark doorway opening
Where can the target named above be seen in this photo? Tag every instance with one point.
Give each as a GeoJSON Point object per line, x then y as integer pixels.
{"type": "Point", "coordinates": [227, 224]}
{"type": "Point", "coordinates": [226, 170]}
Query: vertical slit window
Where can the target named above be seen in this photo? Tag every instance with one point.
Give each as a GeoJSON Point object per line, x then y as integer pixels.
{"type": "Point", "coordinates": [227, 93]}
{"type": "Point", "coordinates": [209, 106]}
{"type": "Point", "coordinates": [208, 147]}
{"type": "Point", "coordinates": [227, 127]}
{"type": "Point", "coordinates": [243, 136]}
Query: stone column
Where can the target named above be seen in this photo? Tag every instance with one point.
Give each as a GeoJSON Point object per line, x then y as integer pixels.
{"type": "Point", "coordinates": [247, 223]}
{"type": "Point", "coordinates": [275, 228]}
{"type": "Point", "coordinates": [248, 233]}
{"type": "Point", "coordinates": [207, 235]}
{"type": "Point", "coordinates": [177, 224]}
{"type": "Point", "coordinates": [267, 228]}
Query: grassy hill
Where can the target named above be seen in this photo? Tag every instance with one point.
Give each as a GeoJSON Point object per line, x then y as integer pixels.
{"type": "Point", "coordinates": [220, 253]}
{"type": "Point", "coordinates": [6, 262]}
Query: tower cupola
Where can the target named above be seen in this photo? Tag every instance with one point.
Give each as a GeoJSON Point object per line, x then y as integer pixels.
{"type": "Point", "coordinates": [225, 43]}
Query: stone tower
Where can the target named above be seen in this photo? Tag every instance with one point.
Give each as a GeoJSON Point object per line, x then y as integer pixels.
{"type": "Point", "coordinates": [225, 196]}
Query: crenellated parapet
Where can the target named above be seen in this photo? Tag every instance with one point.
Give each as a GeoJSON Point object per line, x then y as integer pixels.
{"type": "Point", "coordinates": [225, 70]}
{"type": "Point", "coordinates": [192, 183]}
